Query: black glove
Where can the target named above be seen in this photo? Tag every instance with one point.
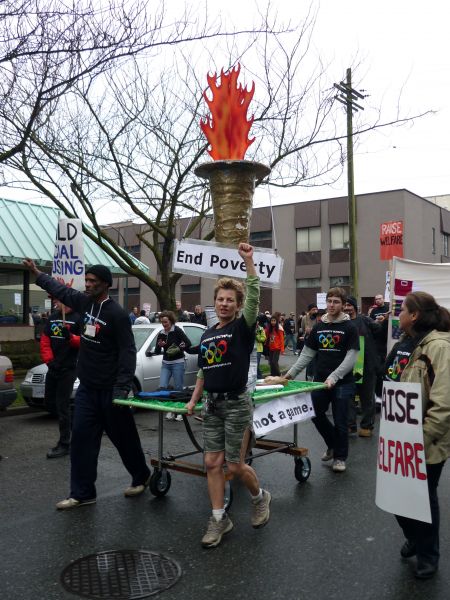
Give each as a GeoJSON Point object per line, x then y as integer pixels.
{"type": "Point", "coordinates": [120, 393]}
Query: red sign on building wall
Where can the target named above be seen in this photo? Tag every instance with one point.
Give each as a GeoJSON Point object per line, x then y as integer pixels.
{"type": "Point", "coordinates": [391, 240]}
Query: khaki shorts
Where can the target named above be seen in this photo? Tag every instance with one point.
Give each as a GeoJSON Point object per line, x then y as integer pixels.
{"type": "Point", "coordinates": [229, 428]}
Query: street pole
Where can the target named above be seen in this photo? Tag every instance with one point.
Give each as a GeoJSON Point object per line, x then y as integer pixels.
{"type": "Point", "coordinates": [347, 97]}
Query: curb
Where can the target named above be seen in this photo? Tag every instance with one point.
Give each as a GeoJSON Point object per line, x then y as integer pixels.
{"type": "Point", "coordinates": [20, 410]}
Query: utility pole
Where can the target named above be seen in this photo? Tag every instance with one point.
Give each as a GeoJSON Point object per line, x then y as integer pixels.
{"type": "Point", "coordinates": [348, 96]}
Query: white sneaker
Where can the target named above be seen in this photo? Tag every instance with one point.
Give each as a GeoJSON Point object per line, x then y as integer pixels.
{"type": "Point", "coordinates": [339, 466]}
{"type": "Point", "coordinates": [170, 416]}
{"type": "Point", "coordinates": [179, 418]}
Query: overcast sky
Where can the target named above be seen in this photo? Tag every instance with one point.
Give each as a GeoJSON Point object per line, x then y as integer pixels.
{"type": "Point", "coordinates": [402, 48]}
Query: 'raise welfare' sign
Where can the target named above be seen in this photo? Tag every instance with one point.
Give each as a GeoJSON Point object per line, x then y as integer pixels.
{"type": "Point", "coordinates": [68, 257]}
{"type": "Point", "coordinates": [402, 487]}
{"type": "Point", "coordinates": [209, 259]}
{"type": "Point", "coordinates": [391, 240]}
{"type": "Point", "coordinates": [281, 412]}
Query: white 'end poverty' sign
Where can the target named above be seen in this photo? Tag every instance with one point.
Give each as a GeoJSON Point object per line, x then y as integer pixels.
{"type": "Point", "coordinates": [209, 259]}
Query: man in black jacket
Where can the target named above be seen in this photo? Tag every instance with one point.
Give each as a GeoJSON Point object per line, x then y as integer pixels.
{"type": "Point", "coordinates": [370, 331]}
{"type": "Point", "coordinates": [199, 316]}
{"type": "Point", "coordinates": [106, 365]}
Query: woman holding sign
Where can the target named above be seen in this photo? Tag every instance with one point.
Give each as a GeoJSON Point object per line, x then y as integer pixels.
{"type": "Point", "coordinates": [422, 355]}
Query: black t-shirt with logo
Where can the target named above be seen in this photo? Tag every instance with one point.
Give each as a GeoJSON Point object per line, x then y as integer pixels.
{"type": "Point", "coordinates": [58, 329]}
{"type": "Point", "coordinates": [224, 356]}
{"type": "Point", "coordinates": [332, 341]}
{"type": "Point", "coordinates": [398, 358]}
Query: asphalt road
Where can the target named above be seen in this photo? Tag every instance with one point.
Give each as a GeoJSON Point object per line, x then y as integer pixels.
{"type": "Point", "coordinates": [326, 538]}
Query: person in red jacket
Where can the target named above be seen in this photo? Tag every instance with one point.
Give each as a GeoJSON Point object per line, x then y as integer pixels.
{"type": "Point", "coordinates": [59, 345]}
{"type": "Point", "coordinates": [275, 342]}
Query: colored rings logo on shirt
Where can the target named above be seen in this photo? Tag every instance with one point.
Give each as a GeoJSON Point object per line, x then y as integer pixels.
{"type": "Point", "coordinates": [329, 340]}
{"type": "Point", "coordinates": [396, 369]}
{"type": "Point", "coordinates": [214, 352]}
{"type": "Point", "coordinates": [56, 329]}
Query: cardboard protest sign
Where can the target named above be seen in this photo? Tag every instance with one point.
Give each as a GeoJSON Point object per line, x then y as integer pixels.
{"type": "Point", "coordinates": [210, 259]}
{"type": "Point", "coordinates": [281, 412]}
{"type": "Point", "coordinates": [402, 487]}
{"type": "Point", "coordinates": [391, 240]}
{"type": "Point", "coordinates": [68, 257]}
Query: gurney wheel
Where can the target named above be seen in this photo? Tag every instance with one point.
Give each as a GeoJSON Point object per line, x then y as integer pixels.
{"type": "Point", "coordinates": [228, 496]}
{"type": "Point", "coordinates": [160, 482]}
{"type": "Point", "coordinates": [302, 468]}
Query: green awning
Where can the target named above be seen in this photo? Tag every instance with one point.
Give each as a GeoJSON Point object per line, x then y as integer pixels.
{"type": "Point", "coordinates": [30, 230]}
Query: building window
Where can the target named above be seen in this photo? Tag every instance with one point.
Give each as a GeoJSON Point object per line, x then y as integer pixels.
{"type": "Point", "coordinates": [445, 240]}
{"type": "Point", "coordinates": [309, 239]}
{"type": "Point", "coordinates": [263, 239]}
{"type": "Point", "coordinates": [310, 282]}
{"type": "Point", "coordinates": [341, 281]}
{"type": "Point", "coordinates": [190, 289]}
{"type": "Point", "coordinates": [339, 237]}
{"type": "Point", "coordinates": [433, 240]}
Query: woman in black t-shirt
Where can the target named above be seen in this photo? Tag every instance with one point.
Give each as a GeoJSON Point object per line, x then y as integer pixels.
{"type": "Point", "coordinates": [224, 359]}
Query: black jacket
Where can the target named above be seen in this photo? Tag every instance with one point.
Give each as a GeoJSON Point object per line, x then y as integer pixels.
{"type": "Point", "coordinates": [106, 360]}
{"type": "Point", "coordinates": [175, 337]}
{"type": "Point", "coordinates": [200, 319]}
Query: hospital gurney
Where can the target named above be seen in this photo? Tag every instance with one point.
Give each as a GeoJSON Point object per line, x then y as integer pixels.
{"type": "Point", "coordinates": [160, 480]}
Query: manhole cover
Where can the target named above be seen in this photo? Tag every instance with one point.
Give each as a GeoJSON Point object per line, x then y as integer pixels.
{"type": "Point", "coordinates": [120, 574]}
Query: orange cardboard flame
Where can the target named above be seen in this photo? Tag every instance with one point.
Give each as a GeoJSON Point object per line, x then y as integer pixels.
{"type": "Point", "coordinates": [227, 128]}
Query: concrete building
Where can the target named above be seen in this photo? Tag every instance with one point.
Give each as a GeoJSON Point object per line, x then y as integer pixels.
{"type": "Point", "coordinates": [312, 237]}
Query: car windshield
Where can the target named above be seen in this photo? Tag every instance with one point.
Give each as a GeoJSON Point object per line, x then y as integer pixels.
{"type": "Point", "coordinates": [141, 335]}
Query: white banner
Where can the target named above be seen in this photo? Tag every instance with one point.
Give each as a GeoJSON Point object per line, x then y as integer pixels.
{"type": "Point", "coordinates": [210, 259]}
{"type": "Point", "coordinates": [68, 257]}
{"type": "Point", "coordinates": [281, 412]}
{"type": "Point", "coordinates": [411, 276]}
{"type": "Point", "coordinates": [402, 487]}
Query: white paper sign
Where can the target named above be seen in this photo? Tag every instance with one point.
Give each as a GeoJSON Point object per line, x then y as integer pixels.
{"type": "Point", "coordinates": [281, 412]}
{"type": "Point", "coordinates": [402, 487]}
{"type": "Point", "coordinates": [209, 259]}
{"type": "Point", "coordinates": [321, 300]}
{"type": "Point", "coordinates": [17, 299]}
{"type": "Point", "coordinates": [387, 288]}
{"type": "Point", "coordinates": [68, 257]}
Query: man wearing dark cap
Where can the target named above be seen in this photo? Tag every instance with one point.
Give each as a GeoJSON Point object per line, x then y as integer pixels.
{"type": "Point", "coordinates": [309, 320]}
{"type": "Point", "coordinates": [106, 365]}
{"type": "Point", "coordinates": [370, 331]}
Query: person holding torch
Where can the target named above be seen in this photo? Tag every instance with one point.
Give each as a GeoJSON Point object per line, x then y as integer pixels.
{"type": "Point", "coordinates": [224, 360]}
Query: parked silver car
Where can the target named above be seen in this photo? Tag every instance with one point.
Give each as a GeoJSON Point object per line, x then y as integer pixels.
{"type": "Point", "coordinates": [7, 390]}
{"type": "Point", "coordinates": [148, 366]}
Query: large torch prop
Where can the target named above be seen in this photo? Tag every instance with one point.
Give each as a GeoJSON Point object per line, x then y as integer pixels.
{"type": "Point", "coordinates": [232, 179]}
